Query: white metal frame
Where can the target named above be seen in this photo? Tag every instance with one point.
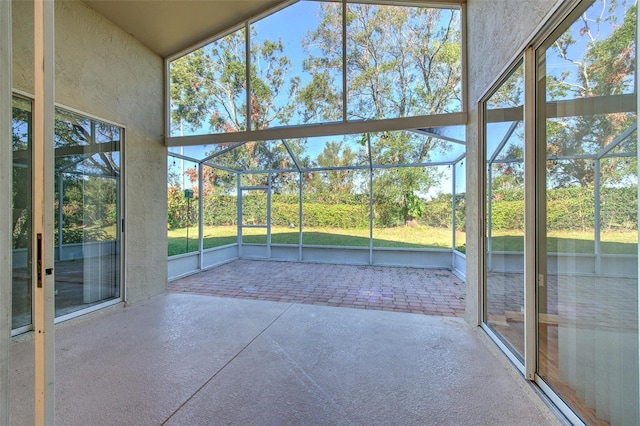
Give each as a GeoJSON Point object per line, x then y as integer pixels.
{"type": "Point", "coordinates": [370, 167]}
{"type": "Point", "coordinates": [241, 225]}
{"type": "Point", "coordinates": [326, 129]}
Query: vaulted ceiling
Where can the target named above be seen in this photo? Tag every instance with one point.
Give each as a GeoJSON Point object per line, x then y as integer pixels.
{"type": "Point", "coordinates": [170, 26]}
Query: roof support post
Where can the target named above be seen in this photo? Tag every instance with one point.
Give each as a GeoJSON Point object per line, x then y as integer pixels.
{"type": "Point", "coordinates": [597, 216]}
{"type": "Point", "coordinates": [201, 215]}
{"type": "Point", "coordinates": [239, 213]}
{"type": "Point", "coordinates": [269, 178]}
{"type": "Point", "coordinates": [370, 200]}
{"type": "Point", "coordinates": [344, 61]}
{"type": "Point", "coordinates": [370, 216]}
{"type": "Point", "coordinates": [301, 183]}
{"type": "Point", "coordinates": [247, 61]}
{"type": "Point", "coordinates": [453, 215]}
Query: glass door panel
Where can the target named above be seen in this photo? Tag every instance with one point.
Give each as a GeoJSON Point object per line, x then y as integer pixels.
{"type": "Point", "coordinates": [88, 204]}
{"type": "Point", "coordinates": [588, 229]}
{"type": "Point", "coordinates": [21, 208]}
{"type": "Point", "coordinates": [504, 177]}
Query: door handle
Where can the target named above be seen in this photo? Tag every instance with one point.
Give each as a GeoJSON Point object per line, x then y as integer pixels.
{"type": "Point", "coordinates": [39, 259]}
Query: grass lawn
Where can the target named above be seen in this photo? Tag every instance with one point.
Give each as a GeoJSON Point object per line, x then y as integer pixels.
{"type": "Point", "coordinates": [571, 242]}
{"type": "Point", "coordinates": [418, 237]}
{"type": "Point", "coordinates": [403, 236]}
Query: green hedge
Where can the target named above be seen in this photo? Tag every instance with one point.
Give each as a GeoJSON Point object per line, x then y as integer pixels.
{"type": "Point", "coordinates": [568, 209]}
{"type": "Point", "coordinates": [220, 210]}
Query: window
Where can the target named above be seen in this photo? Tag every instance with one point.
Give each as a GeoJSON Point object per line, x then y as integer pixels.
{"type": "Point", "coordinates": [397, 61]}
{"type": "Point", "coordinates": [87, 182]}
{"type": "Point", "coordinates": [504, 201]}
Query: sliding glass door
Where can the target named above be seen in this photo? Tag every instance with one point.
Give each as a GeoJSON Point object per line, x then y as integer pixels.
{"type": "Point", "coordinates": [87, 221]}
{"type": "Point", "coordinates": [588, 217]}
{"type": "Point", "coordinates": [87, 194]}
{"type": "Point", "coordinates": [573, 111]}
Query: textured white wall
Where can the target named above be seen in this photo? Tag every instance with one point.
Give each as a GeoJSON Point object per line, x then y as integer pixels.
{"type": "Point", "coordinates": [496, 31]}
{"type": "Point", "coordinates": [104, 72]}
{"type": "Point", "coordinates": [5, 216]}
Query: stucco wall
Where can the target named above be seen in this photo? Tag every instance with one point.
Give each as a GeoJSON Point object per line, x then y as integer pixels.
{"type": "Point", "coordinates": [5, 221]}
{"type": "Point", "coordinates": [104, 72]}
{"type": "Point", "coordinates": [496, 31]}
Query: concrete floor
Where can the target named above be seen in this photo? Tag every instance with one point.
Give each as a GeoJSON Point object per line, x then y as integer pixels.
{"type": "Point", "coordinates": [184, 359]}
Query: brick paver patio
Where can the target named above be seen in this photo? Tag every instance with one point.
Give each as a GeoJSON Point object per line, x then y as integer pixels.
{"type": "Point", "coordinates": [399, 289]}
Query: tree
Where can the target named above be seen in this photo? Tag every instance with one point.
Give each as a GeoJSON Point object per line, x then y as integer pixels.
{"type": "Point", "coordinates": [601, 55]}
{"type": "Point", "coordinates": [334, 182]}
{"type": "Point", "coordinates": [398, 192]}
{"type": "Point", "coordinates": [209, 86]}
{"type": "Point", "coordinates": [401, 61]}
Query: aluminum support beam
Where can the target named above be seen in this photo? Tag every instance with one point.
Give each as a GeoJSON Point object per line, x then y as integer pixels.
{"type": "Point", "coordinates": [434, 134]}
{"type": "Point", "coordinates": [6, 177]}
{"type": "Point", "coordinates": [569, 108]}
{"type": "Point", "coordinates": [325, 129]}
{"type": "Point", "coordinates": [269, 216]}
{"type": "Point", "coordinates": [619, 139]}
{"type": "Point", "coordinates": [183, 157]}
{"type": "Point", "coordinates": [60, 214]}
{"type": "Point", "coordinates": [226, 169]}
{"type": "Point", "coordinates": [301, 183]}
{"type": "Point", "coordinates": [291, 154]}
{"type": "Point", "coordinates": [453, 210]}
{"type": "Point", "coordinates": [222, 151]}
{"type": "Point", "coordinates": [370, 199]}
{"type": "Point", "coordinates": [43, 171]}
{"type": "Point", "coordinates": [371, 217]}
{"type": "Point", "coordinates": [247, 56]}
{"type": "Point", "coordinates": [239, 213]}
{"type": "Point", "coordinates": [504, 140]}
{"type": "Point", "coordinates": [201, 215]}
{"type": "Point", "coordinates": [344, 61]}
{"type": "Point", "coordinates": [597, 216]}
